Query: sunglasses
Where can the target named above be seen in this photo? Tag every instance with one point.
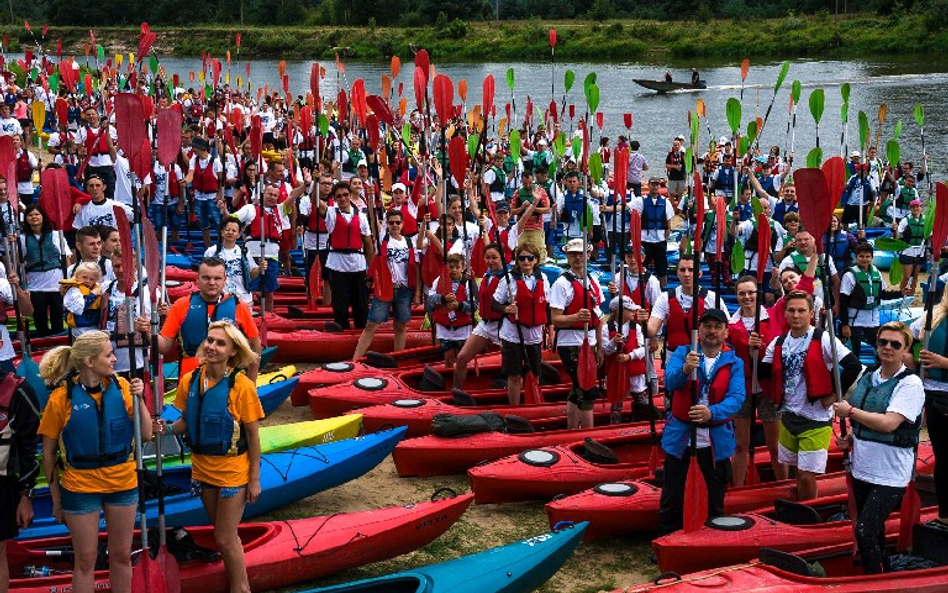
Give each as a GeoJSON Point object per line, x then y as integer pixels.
{"type": "Point", "coordinates": [526, 257]}
{"type": "Point", "coordinates": [394, 222]}
{"type": "Point", "coordinates": [895, 344]}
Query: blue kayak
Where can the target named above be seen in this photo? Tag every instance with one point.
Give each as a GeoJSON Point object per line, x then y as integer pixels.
{"type": "Point", "coordinates": [170, 369]}
{"type": "Point", "coordinates": [285, 477]}
{"type": "Point", "coordinates": [519, 567]}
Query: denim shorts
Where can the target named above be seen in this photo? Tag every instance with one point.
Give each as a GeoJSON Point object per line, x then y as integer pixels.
{"type": "Point", "coordinates": [208, 214]}
{"type": "Point", "coordinates": [83, 503]}
{"type": "Point", "coordinates": [156, 213]}
{"type": "Point", "coordinates": [399, 307]}
{"type": "Point", "coordinates": [269, 277]}
{"type": "Point", "coordinates": [226, 491]}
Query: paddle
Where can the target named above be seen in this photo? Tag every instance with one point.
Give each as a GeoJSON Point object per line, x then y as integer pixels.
{"type": "Point", "coordinates": [919, 113]}
{"type": "Point", "coordinates": [745, 68]}
{"type": "Point", "coordinates": [834, 169]}
{"type": "Point", "coordinates": [27, 368]}
{"type": "Point", "coordinates": [784, 68]}
{"type": "Point", "coordinates": [617, 382]}
{"type": "Point", "coordinates": [635, 236]}
{"type": "Point", "coordinates": [817, 102]}
{"type": "Point", "coordinates": [844, 119]}
{"type": "Point", "coordinates": [38, 112]}
{"type": "Point", "coordinates": [763, 247]}
{"type": "Point", "coordinates": [795, 89]}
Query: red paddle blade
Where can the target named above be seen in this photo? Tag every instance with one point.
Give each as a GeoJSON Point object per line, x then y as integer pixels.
{"type": "Point", "coordinates": [627, 119]}
{"type": "Point", "coordinates": [653, 459]}
{"type": "Point", "coordinates": [699, 216]}
{"type": "Point", "coordinates": [488, 93]}
{"type": "Point", "coordinates": [430, 266]}
{"type": "Point", "coordinates": [423, 61]}
{"type": "Point", "coordinates": [381, 276]}
{"type": "Point", "coordinates": [616, 388]}
{"type": "Point", "coordinates": [152, 256]}
{"type": "Point", "coordinates": [342, 105]}
{"type": "Point", "coordinates": [314, 79]}
{"type": "Point", "coordinates": [720, 215]}
{"type": "Point", "coordinates": [256, 141]}
{"type": "Point", "coordinates": [457, 157]}
{"type": "Point", "coordinates": [908, 515]}
{"type": "Point", "coordinates": [621, 172]}
{"type": "Point", "coordinates": [752, 476]}
{"type": "Point", "coordinates": [586, 373]}
{"type": "Point", "coordinates": [145, 42]}
{"type": "Point", "coordinates": [835, 171]}
{"type": "Point", "coordinates": [130, 123]}
{"type": "Point", "coordinates": [146, 577]}
{"type": "Point", "coordinates": [372, 128]}
{"type": "Point", "coordinates": [478, 265]}
{"type": "Point", "coordinates": [421, 84]}
{"type": "Point", "coordinates": [940, 230]}
{"type": "Point", "coordinates": [816, 206]}
{"type": "Point", "coordinates": [8, 167]}
{"type": "Point", "coordinates": [125, 237]}
{"type": "Point", "coordinates": [851, 507]}
{"type": "Point", "coordinates": [168, 568]}
{"type": "Point", "coordinates": [696, 498]}
{"type": "Point", "coordinates": [763, 245]}
{"type": "Point", "coordinates": [358, 100]}
{"type": "Point", "coordinates": [313, 280]}
{"type": "Point", "coordinates": [55, 198]}
{"type": "Point", "coordinates": [635, 233]}
{"type": "Point", "coordinates": [378, 105]}
{"type": "Point", "coordinates": [444, 98]}
{"type": "Point", "coordinates": [531, 389]}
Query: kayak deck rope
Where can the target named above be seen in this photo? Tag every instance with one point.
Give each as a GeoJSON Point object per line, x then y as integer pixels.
{"type": "Point", "coordinates": [299, 548]}
{"type": "Point", "coordinates": [284, 473]}
{"type": "Point", "coordinates": [694, 579]}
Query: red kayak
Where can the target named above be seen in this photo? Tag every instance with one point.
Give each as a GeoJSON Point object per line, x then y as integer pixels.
{"type": "Point", "coordinates": [278, 554]}
{"type": "Point", "coordinates": [631, 507]}
{"type": "Point", "coordinates": [316, 346]}
{"type": "Point", "coordinates": [783, 572]}
{"type": "Point", "coordinates": [279, 323]}
{"type": "Point", "coordinates": [428, 382]}
{"type": "Point", "coordinates": [289, 283]}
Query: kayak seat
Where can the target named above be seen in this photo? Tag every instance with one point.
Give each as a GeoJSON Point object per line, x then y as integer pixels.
{"type": "Point", "coordinates": [462, 398]}
{"type": "Point", "coordinates": [380, 360]}
{"type": "Point", "coordinates": [931, 543]}
{"type": "Point", "coordinates": [333, 327]}
{"type": "Point", "coordinates": [789, 563]}
{"type": "Point", "coordinates": [431, 380]}
{"type": "Point", "coordinates": [795, 513]}
{"type": "Point", "coordinates": [182, 546]}
{"type": "Point", "coordinates": [518, 425]}
{"type": "Point", "coordinates": [596, 452]}
{"type": "Point", "coordinates": [548, 374]}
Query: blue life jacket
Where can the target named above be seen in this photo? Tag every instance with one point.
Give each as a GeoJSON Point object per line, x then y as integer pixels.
{"type": "Point", "coordinates": [838, 248]}
{"type": "Point", "coordinates": [746, 211]}
{"type": "Point", "coordinates": [95, 436]}
{"type": "Point", "coordinates": [938, 343]}
{"type": "Point", "coordinates": [212, 430]}
{"type": "Point", "coordinates": [781, 210]}
{"type": "Point", "coordinates": [194, 329]}
{"type": "Point", "coordinates": [653, 215]}
{"type": "Point", "coordinates": [572, 206]}
{"type": "Point", "coordinates": [725, 182]}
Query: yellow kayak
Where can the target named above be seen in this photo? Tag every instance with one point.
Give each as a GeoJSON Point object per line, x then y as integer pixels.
{"type": "Point", "coordinates": [281, 374]}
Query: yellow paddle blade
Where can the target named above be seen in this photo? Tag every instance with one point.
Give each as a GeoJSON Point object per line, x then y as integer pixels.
{"type": "Point", "coordinates": [118, 59]}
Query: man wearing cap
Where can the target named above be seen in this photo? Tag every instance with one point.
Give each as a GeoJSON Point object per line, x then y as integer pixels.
{"type": "Point", "coordinates": [637, 166]}
{"type": "Point", "coordinates": [709, 405]}
{"type": "Point", "coordinates": [527, 194]}
{"type": "Point", "coordinates": [675, 166]}
{"type": "Point", "coordinates": [657, 212]}
{"type": "Point", "coordinates": [858, 194]}
{"type": "Point", "coordinates": [911, 229]}
{"type": "Point", "coordinates": [494, 180]}
{"type": "Point", "coordinates": [206, 176]}
{"type": "Point", "coordinates": [408, 207]}
{"type": "Point", "coordinates": [852, 166]}
{"type": "Point", "coordinates": [574, 300]}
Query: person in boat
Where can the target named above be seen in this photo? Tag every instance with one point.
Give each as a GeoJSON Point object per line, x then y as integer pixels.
{"type": "Point", "coordinates": [695, 77]}
{"type": "Point", "coordinates": [626, 346]}
{"type": "Point", "coordinates": [575, 299]}
{"type": "Point", "coordinates": [885, 410]}
{"type": "Point", "coordinates": [43, 249]}
{"type": "Point", "coordinates": [800, 362]}
{"type": "Point", "coordinates": [19, 466]}
{"type": "Point", "coordinates": [487, 331]}
{"type": "Point", "coordinates": [720, 393]}
{"type": "Point", "coordinates": [98, 473]}
{"type": "Point", "coordinates": [668, 76]}
{"type": "Point", "coordinates": [522, 297]}
{"type": "Point", "coordinates": [451, 304]}
{"type": "Point", "coordinates": [225, 461]}
{"type": "Point", "coordinates": [188, 318]}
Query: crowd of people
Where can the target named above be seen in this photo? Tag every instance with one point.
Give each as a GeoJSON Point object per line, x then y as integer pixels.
{"type": "Point", "coordinates": [402, 206]}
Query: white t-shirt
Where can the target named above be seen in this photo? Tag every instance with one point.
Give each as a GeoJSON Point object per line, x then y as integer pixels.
{"type": "Point", "coordinates": [636, 382]}
{"type": "Point", "coordinates": [93, 214]}
{"type": "Point", "coordinates": [886, 465]}
{"type": "Point", "coordinates": [99, 160]}
{"type": "Point", "coordinates": [744, 230]}
{"type": "Point", "coordinates": [117, 300]}
{"type": "Point", "coordinates": [788, 262]}
{"type": "Point", "coordinates": [26, 187]}
{"type": "Point", "coordinates": [653, 288]}
{"type": "Point", "coordinates": [508, 330]}
{"type": "Point", "coordinates": [10, 127]}
{"type": "Point", "coordinates": [560, 296]}
{"type": "Point", "coordinates": [911, 250]}
{"type": "Point", "coordinates": [234, 283]}
{"type": "Point", "coordinates": [161, 183]}
{"type": "Point", "coordinates": [444, 332]}
{"type": "Point", "coordinates": [346, 262]}
{"type": "Point", "coordinates": [123, 181]}
{"type": "Point", "coordinates": [309, 237]}
{"type": "Point", "coordinates": [749, 326]}
{"type": "Point", "coordinates": [660, 308]}
{"type": "Point", "coordinates": [654, 235]}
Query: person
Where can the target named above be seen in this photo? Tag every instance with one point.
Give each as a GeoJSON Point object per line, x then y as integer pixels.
{"type": "Point", "coordinates": [89, 249]}
{"type": "Point", "coordinates": [241, 267]}
{"type": "Point", "coordinates": [885, 410]}
{"type": "Point", "coordinates": [487, 331]}
{"type": "Point", "coordinates": [668, 76]}
{"type": "Point", "coordinates": [657, 213]}
{"type": "Point", "coordinates": [19, 466]}
{"type": "Point", "coordinates": [861, 290]}
{"type": "Point", "coordinates": [840, 245]}
{"type": "Point", "coordinates": [111, 241]}
{"type": "Point", "coordinates": [672, 309]}
{"type": "Point", "coordinates": [265, 224]}
{"type": "Point", "coordinates": [675, 169]}
{"type": "Point", "coordinates": [626, 346]}
{"type": "Point", "coordinates": [43, 248]}
{"type": "Point", "coordinates": [637, 165]}
{"type": "Point", "coordinates": [116, 317]}
{"type": "Point", "coordinates": [98, 473]}
{"type": "Point", "coordinates": [225, 460]}
{"type": "Point", "coordinates": [521, 296]}
{"type": "Point", "coordinates": [26, 164]}
{"type": "Point", "coordinates": [82, 299]}
{"type": "Point", "coordinates": [707, 419]}
{"type": "Point", "coordinates": [166, 206]}
{"type": "Point", "coordinates": [632, 276]}
{"type": "Point", "coordinates": [315, 236]}
{"type": "Point", "coordinates": [100, 150]}
{"type": "Point", "coordinates": [188, 318]}
{"type": "Point", "coordinates": [745, 232]}
{"type": "Point", "coordinates": [451, 305]}
{"type": "Point", "coordinates": [570, 206]}
{"type": "Point", "coordinates": [745, 339]}
{"type": "Point", "coordinates": [787, 203]}
{"type": "Point", "coordinates": [911, 229]}
{"type": "Point", "coordinates": [206, 176]}
{"type": "Point", "coordinates": [530, 194]}
{"type": "Point", "coordinates": [805, 246]}
{"type": "Point", "coordinates": [407, 286]}
{"type": "Point", "coordinates": [575, 298]}
{"type": "Point", "coordinates": [494, 180]}
{"type": "Point", "coordinates": [100, 210]}
{"type": "Point", "coordinates": [695, 77]}
{"type": "Point", "coordinates": [800, 362]}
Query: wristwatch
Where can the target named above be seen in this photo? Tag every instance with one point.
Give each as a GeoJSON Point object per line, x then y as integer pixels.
{"type": "Point", "coordinates": [30, 494]}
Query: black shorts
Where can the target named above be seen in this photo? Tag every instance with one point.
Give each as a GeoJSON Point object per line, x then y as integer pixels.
{"type": "Point", "coordinates": [9, 499]}
{"type": "Point", "coordinates": [584, 399]}
{"type": "Point", "coordinates": [512, 359]}
{"type": "Point", "coordinates": [656, 254]}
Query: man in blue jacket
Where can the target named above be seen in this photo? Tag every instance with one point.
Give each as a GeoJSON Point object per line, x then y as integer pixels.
{"type": "Point", "coordinates": [720, 394]}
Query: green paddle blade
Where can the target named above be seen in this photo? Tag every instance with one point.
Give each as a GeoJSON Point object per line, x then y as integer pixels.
{"type": "Point", "coordinates": [817, 101]}
{"type": "Point", "coordinates": [568, 79]}
{"type": "Point", "coordinates": [54, 82]}
{"type": "Point", "coordinates": [153, 64]}
{"type": "Point", "coordinates": [755, 205]}
{"type": "Point", "coordinates": [595, 167]}
{"type": "Point", "coordinates": [559, 143]}
{"type": "Point", "coordinates": [551, 170]}
{"type": "Point", "coordinates": [592, 97]}
{"type": "Point", "coordinates": [738, 259]}
{"type": "Point", "coordinates": [324, 127]}
{"type": "Point", "coordinates": [588, 82]}
{"type": "Point", "coordinates": [472, 143]}
{"type": "Point", "coordinates": [515, 145]}
{"type": "Point", "coordinates": [693, 121]}
{"type": "Point", "coordinates": [733, 109]}
{"type": "Point", "coordinates": [919, 112]}
{"type": "Point", "coordinates": [743, 145]}
{"type": "Point", "coordinates": [510, 78]}
{"type": "Point", "coordinates": [795, 89]}
{"type": "Point", "coordinates": [783, 74]}
{"type": "Point", "coordinates": [587, 223]}
{"type": "Point", "coordinates": [815, 158]}
{"type": "Point", "coordinates": [577, 147]}
{"type": "Point", "coordinates": [406, 132]}
{"type": "Point", "coordinates": [686, 245]}
{"type": "Point", "coordinates": [689, 158]}
{"type": "Point", "coordinates": [895, 271]}
{"type": "Point", "coordinates": [751, 130]}
{"type": "Point", "coordinates": [100, 52]}
{"type": "Point", "coordinates": [898, 130]}
{"type": "Point", "coordinates": [892, 151]}
{"type": "Point", "coordinates": [929, 219]}
{"type": "Point", "coordinates": [863, 129]}
{"type": "Point", "coordinates": [844, 112]}
{"type": "Point", "coordinates": [844, 91]}
{"type": "Point", "coordinates": [890, 244]}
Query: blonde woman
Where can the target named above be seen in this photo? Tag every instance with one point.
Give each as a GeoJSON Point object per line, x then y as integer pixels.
{"type": "Point", "coordinates": [225, 460]}
{"type": "Point", "coordinates": [99, 473]}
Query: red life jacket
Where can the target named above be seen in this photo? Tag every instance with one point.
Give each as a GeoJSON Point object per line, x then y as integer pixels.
{"type": "Point", "coordinates": [818, 379]}
{"type": "Point", "coordinates": [531, 306]}
{"type": "Point", "coordinates": [316, 223]}
{"type": "Point", "coordinates": [678, 324]}
{"type": "Point", "coordinates": [681, 399]}
{"type": "Point", "coordinates": [594, 298]}
{"type": "Point", "coordinates": [485, 299]}
{"type": "Point", "coordinates": [204, 180]}
{"type": "Point", "coordinates": [96, 146]}
{"type": "Point", "coordinates": [171, 188]}
{"type": "Point", "coordinates": [409, 268]}
{"type": "Point", "coordinates": [346, 237]}
{"type": "Point", "coordinates": [440, 314]}
{"type": "Point", "coordinates": [738, 337]}
{"type": "Point", "coordinates": [283, 193]}
{"type": "Point", "coordinates": [271, 221]}
{"type": "Point", "coordinates": [636, 367]}
{"type": "Point", "coordinates": [409, 222]}
{"type": "Point", "coordinates": [504, 236]}
{"type": "Point", "coordinates": [636, 295]}
{"type": "Point", "coordinates": [24, 172]}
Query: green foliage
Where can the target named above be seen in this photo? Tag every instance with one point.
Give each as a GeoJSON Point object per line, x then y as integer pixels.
{"type": "Point", "coordinates": [601, 10]}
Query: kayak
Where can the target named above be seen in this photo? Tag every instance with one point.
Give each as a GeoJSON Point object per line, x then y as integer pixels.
{"type": "Point", "coordinates": [317, 346]}
{"type": "Point", "coordinates": [520, 567]}
{"type": "Point", "coordinates": [277, 554]}
{"type": "Point", "coordinates": [280, 323]}
{"type": "Point", "coordinates": [263, 379]}
{"type": "Point", "coordinates": [631, 507]}
{"type": "Point", "coordinates": [784, 572]}
{"type": "Point", "coordinates": [325, 312]}
{"type": "Point", "coordinates": [436, 456]}
{"type": "Point", "coordinates": [285, 477]}
{"type": "Point", "coordinates": [170, 369]}
{"type": "Point", "coordinates": [486, 385]}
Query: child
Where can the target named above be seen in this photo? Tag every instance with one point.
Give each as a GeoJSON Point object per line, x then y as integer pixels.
{"type": "Point", "coordinates": [625, 346]}
{"type": "Point", "coordinates": [451, 309]}
{"type": "Point", "coordinates": [83, 298]}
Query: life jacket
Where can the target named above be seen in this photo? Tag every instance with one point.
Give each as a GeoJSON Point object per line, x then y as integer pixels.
{"type": "Point", "coordinates": [41, 254]}
{"type": "Point", "coordinates": [204, 180]}
{"type": "Point", "coordinates": [244, 268]}
{"type": "Point", "coordinates": [876, 400]}
{"type": "Point", "coordinates": [818, 379]}
{"type": "Point", "coordinates": [212, 429]}
{"type": "Point", "coordinates": [636, 294]}
{"type": "Point", "coordinates": [531, 306]}
{"type": "Point", "coordinates": [738, 337]}
{"type": "Point", "coordinates": [8, 387]}
{"type": "Point", "coordinates": [866, 291]}
{"type": "Point", "coordinates": [745, 212]}
{"type": "Point", "coordinates": [194, 329]}
{"type": "Point", "coordinates": [711, 226]}
{"type": "Point", "coordinates": [441, 314]}
{"type": "Point", "coordinates": [681, 399]}
{"type": "Point", "coordinates": [485, 298]}
{"type": "Point", "coordinates": [172, 188]}
{"type": "Point", "coordinates": [271, 223]}
{"type": "Point", "coordinates": [314, 222]}
{"type": "Point", "coordinates": [592, 301]}
{"type": "Point", "coordinates": [503, 239]}
{"type": "Point", "coordinates": [905, 197]}
{"type": "Point", "coordinates": [97, 436]}
{"type": "Point", "coordinates": [119, 315]}
{"type": "Point", "coordinates": [636, 367]}
{"type": "Point", "coordinates": [24, 171]}
{"type": "Point", "coordinates": [914, 231]}
{"type": "Point", "coordinates": [346, 237]}
{"type": "Point", "coordinates": [96, 142]}
{"type": "Point", "coordinates": [781, 210]}
{"type": "Point", "coordinates": [572, 206]}
{"type": "Point", "coordinates": [938, 343]}
{"type": "Point", "coordinates": [91, 315]}
{"type": "Point", "coordinates": [653, 214]}
{"type": "Point", "coordinates": [352, 164]}
{"type": "Point", "coordinates": [725, 181]}
{"type": "Point", "coordinates": [409, 222]}
{"type": "Point", "coordinates": [499, 185]}
{"type": "Point", "coordinates": [678, 324]}
{"type": "Point", "coordinates": [409, 266]}
{"type": "Point", "coordinates": [799, 260]}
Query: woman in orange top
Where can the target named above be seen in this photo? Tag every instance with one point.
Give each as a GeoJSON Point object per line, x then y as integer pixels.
{"type": "Point", "coordinates": [89, 421]}
{"type": "Point", "coordinates": [220, 414]}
